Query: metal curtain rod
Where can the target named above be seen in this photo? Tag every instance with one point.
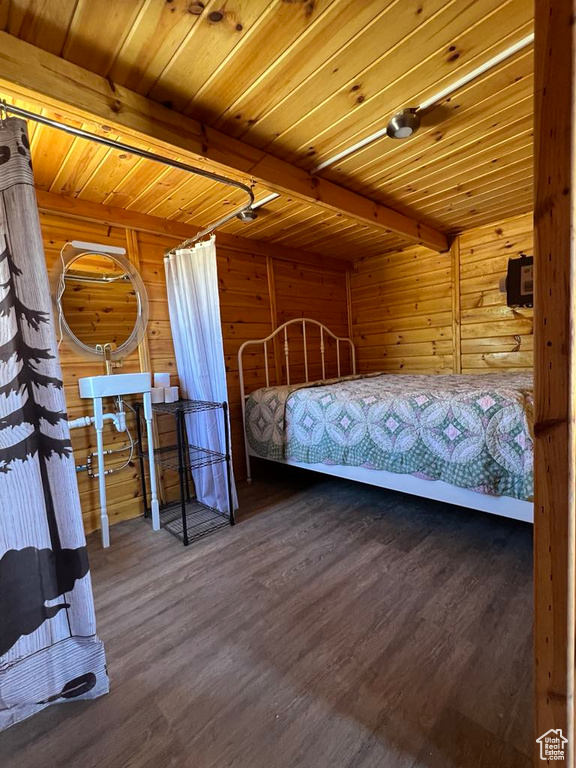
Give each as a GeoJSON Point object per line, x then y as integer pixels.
{"type": "Point", "coordinates": [114, 144]}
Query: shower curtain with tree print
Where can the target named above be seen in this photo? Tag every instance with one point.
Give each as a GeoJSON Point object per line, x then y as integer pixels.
{"type": "Point", "coordinates": [49, 651]}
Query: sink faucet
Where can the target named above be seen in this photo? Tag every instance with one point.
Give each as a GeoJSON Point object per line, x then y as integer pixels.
{"type": "Point", "coordinates": [106, 350]}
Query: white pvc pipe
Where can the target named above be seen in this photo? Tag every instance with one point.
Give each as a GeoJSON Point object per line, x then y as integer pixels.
{"type": "Point", "coordinates": [488, 65]}
{"type": "Point", "coordinates": [154, 506]}
{"type": "Point", "coordinates": [86, 421]}
{"type": "Point", "coordinates": [99, 424]}
{"type": "Point", "coordinates": [113, 249]}
{"type": "Point", "coordinates": [265, 200]}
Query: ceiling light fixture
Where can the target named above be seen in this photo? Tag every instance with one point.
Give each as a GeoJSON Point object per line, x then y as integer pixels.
{"type": "Point", "coordinates": [404, 124]}
{"type": "Point", "coordinates": [436, 98]}
{"type": "Point", "coordinates": [247, 215]}
{"type": "Point", "coordinates": [251, 214]}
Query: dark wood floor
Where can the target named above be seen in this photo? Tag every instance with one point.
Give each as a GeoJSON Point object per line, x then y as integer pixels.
{"type": "Point", "coordinates": [341, 626]}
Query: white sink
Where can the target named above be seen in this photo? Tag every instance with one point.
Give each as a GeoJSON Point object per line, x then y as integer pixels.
{"type": "Point", "coordinates": [115, 384]}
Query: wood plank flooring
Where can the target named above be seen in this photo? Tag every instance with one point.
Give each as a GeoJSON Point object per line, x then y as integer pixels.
{"type": "Point", "coordinates": [336, 626]}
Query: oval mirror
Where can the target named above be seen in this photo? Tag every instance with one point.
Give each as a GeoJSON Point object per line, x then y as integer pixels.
{"type": "Point", "coordinates": [101, 299]}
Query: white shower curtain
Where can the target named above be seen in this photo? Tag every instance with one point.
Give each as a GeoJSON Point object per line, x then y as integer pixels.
{"type": "Point", "coordinates": [194, 305]}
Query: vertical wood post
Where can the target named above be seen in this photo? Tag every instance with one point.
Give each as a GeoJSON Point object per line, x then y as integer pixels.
{"type": "Point", "coordinates": [456, 309]}
{"type": "Point", "coordinates": [349, 304]}
{"type": "Point", "coordinates": [144, 354]}
{"type": "Point", "coordinates": [349, 311]}
{"type": "Point", "coordinates": [274, 317]}
{"type": "Point", "coordinates": [555, 353]}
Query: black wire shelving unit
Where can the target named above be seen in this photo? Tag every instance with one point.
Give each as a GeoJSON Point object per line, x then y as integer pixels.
{"type": "Point", "coordinates": [187, 518]}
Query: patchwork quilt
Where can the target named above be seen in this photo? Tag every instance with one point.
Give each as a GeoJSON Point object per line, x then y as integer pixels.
{"type": "Point", "coordinates": [471, 431]}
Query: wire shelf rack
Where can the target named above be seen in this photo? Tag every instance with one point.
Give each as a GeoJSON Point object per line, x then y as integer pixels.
{"type": "Point", "coordinates": [188, 519]}
{"type": "Point", "coordinates": [200, 520]}
{"type": "Point", "coordinates": [186, 406]}
{"type": "Point", "coordinates": [194, 457]}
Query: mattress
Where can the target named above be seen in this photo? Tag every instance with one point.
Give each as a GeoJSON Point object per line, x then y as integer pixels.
{"type": "Point", "coordinates": [471, 431]}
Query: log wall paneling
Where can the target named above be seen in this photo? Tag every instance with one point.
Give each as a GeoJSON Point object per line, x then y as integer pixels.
{"type": "Point", "coordinates": [402, 312]}
{"type": "Point", "coordinates": [274, 319]}
{"type": "Point", "coordinates": [456, 317]}
{"type": "Point", "coordinates": [169, 490]}
{"type": "Point", "coordinates": [494, 336]}
{"type": "Point", "coordinates": [245, 313]}
{"type": "Point", "coordinates": [421, 312]}
{"type": "Point", "coordinates": [123, 488]}
{"type": "Point", "coordinates": [257, 292]}
{"type": "Point", "coordinates": [306, 291]}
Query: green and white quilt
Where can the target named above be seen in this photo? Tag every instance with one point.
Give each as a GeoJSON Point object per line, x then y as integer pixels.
{"type": "Point", "coordinates": [471, 431]}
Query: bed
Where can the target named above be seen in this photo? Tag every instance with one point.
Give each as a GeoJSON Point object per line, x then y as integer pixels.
{"type": "Point", "coordinates": [462, 439]}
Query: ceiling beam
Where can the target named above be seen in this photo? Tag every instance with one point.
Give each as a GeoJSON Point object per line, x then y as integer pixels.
{"type": "Point", "coordinates": [177, 231]}
{"type": "Point", "coordinates": [29, 72]}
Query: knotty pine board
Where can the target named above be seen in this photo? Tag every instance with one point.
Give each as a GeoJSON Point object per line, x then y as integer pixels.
{"type": "Point", "coordinates": [123, 488]}
{"type": "Point", "coordinates": [403, 314]}
{"type": "Point", "coordinates": [303, 80]}
{"type": "Point", "coordinates": [493, 335]}
{"type": "Point", "coordinates": [246, 308]}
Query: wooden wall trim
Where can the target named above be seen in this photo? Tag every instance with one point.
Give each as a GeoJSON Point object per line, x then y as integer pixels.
{"type": "Point", "coordinates": [349, 306]}
{"type": "Point", "coordinates": [133, 253]}
{"type": "Point", "coordinates": [273, 315]}
{"type": "Point", "coordinates": [456, 309]}
{"type": "Point", "coordinates": [53, 81]}
{"type": "Point", "coordinates": [555, 368]}
{"type": "Point", "coordinates": [85, 210]}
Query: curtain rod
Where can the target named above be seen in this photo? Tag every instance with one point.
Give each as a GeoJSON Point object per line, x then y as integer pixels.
{"type": "Point", "coordinates": [6, 108]}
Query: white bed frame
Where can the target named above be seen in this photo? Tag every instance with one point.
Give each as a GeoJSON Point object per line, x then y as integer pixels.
{"type": "Point", "coordinates": [505, 506]}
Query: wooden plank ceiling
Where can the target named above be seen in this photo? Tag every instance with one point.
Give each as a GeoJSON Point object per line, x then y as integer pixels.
{"type": "Point", "coordinates": [303, 81]}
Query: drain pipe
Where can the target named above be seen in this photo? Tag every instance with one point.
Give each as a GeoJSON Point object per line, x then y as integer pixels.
{"type": "Point", "coordinates": [118, 418]}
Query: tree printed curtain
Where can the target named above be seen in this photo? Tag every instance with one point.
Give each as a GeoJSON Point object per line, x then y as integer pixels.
{"type": "Point", "coordinates": [49, 651]}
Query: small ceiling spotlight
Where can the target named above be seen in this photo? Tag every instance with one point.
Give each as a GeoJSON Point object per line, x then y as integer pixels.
{"type": "Point", "coordinates": [247, 215]}
{"type": "Point", "coordinates": [404, 124]}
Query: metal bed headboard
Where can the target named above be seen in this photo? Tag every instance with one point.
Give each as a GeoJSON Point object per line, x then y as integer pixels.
{"type": "Point", "coordinates": [283, 330]}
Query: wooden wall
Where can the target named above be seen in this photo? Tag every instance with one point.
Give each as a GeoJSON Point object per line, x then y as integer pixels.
{"type": "Point", "coordinates": [257, 292]}
{"type": "Point", "coordinates": [421, 312]}
{"type": "Point", "coordinates": [411, 311]}
{"type": "Point", "coordinates": [493, 336]}
{"type": "Point", "coordinates": [123, 488]}
{"type": "Point", "coordinates": [321, 294]}
{"type": "Point", "coordinates": [401, 312]}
